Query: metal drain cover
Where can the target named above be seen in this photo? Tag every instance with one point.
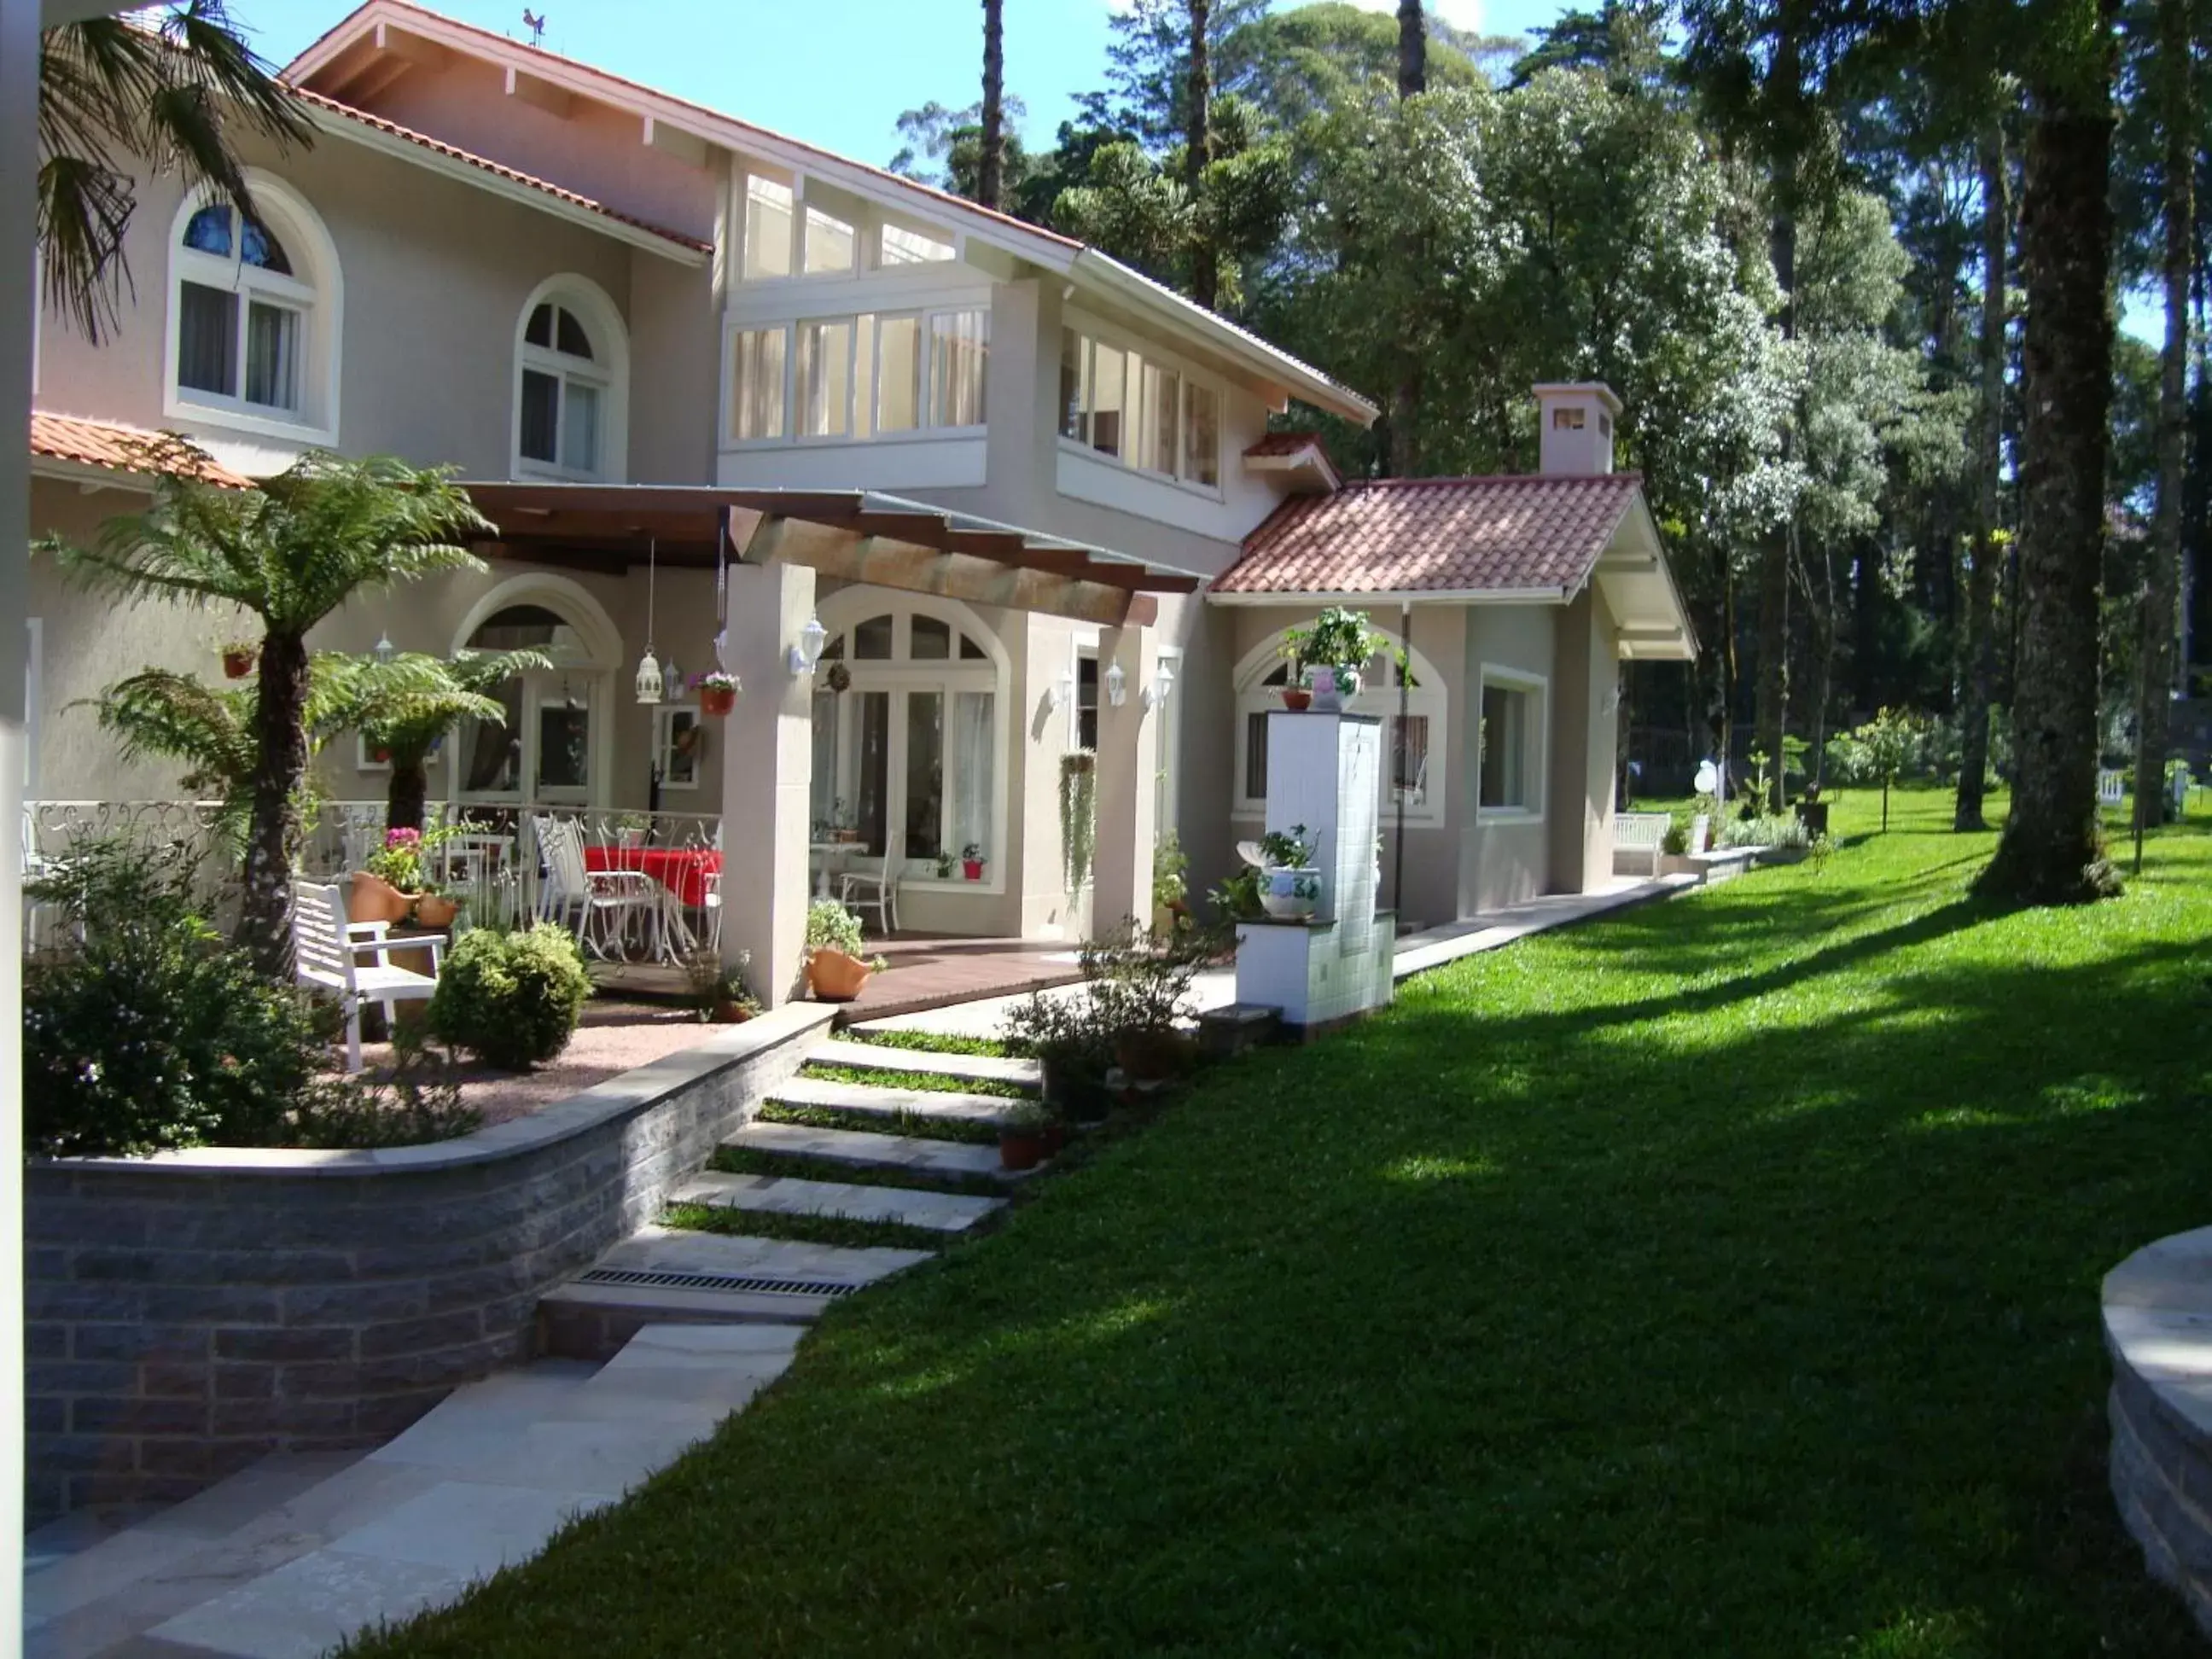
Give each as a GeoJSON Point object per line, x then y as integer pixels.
{"type": "Point", "coordinates": [638, 1278]}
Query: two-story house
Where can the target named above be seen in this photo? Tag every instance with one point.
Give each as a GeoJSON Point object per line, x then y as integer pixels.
{"type": "Point", "coordinates": [726, 395]}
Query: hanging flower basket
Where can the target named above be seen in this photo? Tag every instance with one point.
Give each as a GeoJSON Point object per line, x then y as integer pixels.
{"type": "Point", "coordinates": [718, 694]}
{"type": "Point", "coordinates": [238, 661]}
{"type": "Point", "coordinates": [840, 677]}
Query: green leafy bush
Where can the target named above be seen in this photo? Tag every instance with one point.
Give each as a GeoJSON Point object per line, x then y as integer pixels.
{"type": "Point", "coordinates": [1676, 840]}
{"type": "Point", "coordinates": [830, 926]}
{"type": "Point", "coordinates": [151, 1034]}
{"type": "Point", "coordinates": [513, 999]}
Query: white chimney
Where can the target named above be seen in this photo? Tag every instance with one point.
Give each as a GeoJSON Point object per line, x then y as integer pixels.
{"type": "Point", "coordinates": [1574, 427]}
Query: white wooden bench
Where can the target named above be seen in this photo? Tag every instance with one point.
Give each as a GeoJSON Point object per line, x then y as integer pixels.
{"type": "Point", "coordinates": [326, 951]}
{"type": "Point", "coordinates": [2112, 788]}
{"type": "Point", "coordinates": [1639, 835]}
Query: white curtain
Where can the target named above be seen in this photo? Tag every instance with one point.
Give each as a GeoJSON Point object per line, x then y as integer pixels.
{"type": "Point", "coordinates": [973, 761]}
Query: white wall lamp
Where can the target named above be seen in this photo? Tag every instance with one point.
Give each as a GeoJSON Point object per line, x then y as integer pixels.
{"type": "Point", "coordinates": [808, 650]}
{"type": "Point", "coordinates": [1117, 685]}
{"type": "Point", "coordinates": [1162, 684]}
{"type": "Point", "coordinates": [1060, 695]}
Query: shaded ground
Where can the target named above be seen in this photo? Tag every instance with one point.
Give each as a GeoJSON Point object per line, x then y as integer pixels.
{"type": "Point", "coordinates": [613, 1038]}
{"type": "Point", "coordinates": [1718, 1278]}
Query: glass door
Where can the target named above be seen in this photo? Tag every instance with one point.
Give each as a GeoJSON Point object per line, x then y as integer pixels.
{"type": "Point", "coordinates": [542, 754]}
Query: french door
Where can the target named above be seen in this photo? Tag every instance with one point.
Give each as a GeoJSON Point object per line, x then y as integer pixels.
{"type": "Point", "coordinates": [543, 755]}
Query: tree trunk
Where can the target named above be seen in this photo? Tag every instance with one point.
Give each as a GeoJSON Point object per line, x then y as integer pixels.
{"type": "Point", "coordinates": [1771, 702]}
{"type": "Point", "coordinates": [406, 800]}
{"type": "Point", "coordinates": [273, 831]}
{"type": "Point", "coordinates": [1406, 396]}
{"type": "Point", "coordinates": [2052, 848]}
{"type": "Point", "coordinates": [1989, 452]}
{"type": "Point", "coordinates": [990, 176]}
{"type": "Point", "coordinates": [1198, 150]}
{"type": "Point", "coordinates": [2161, 599]}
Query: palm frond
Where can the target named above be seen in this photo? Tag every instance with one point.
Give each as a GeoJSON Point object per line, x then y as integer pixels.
{"type": "Point", "coordinates": [161, 91]}
{"type": "Point", "coordinates": [160, 715]}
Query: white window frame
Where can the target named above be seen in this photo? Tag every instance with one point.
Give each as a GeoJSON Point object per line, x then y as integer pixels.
{"type": "Point", "coordinates": [1167, 746]}
{"type": "Point", "coordinates": [845, 610]}
{"type": "Point", "coordinates": [34, 692]}
{"type": "Point", "coordinates": [868, 219]}
{"type": "Point", "coordinates": [317, 297]}
{"type": "Point", "coordinates": [1134, 350]}
{"type": "Point", "coordinates": [922, 315]}
{"type": "Point", "coordinates": [1378, 695]}
{"type": "Point", "coordinates": [1535, 763]}
{"type": "Point", "coordinates": [664, 746]}
{"type": "Point", "coordinates": [608, 372]}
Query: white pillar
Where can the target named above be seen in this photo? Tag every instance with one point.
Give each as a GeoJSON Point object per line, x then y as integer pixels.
{"type": "Point", "coordinates": [1123, 884]}
{"type": "Point", "coordinates": [19, 149]}
{"type": "Point", "coordinates": [768, 759]}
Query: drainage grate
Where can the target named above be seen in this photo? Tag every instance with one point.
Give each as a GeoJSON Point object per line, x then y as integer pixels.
{"type": "Point", "coordinates": [638, 1280]}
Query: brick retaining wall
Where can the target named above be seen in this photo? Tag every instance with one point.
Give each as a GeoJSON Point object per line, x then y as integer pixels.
{"type": "Point", "coordinates": [190, 1313]}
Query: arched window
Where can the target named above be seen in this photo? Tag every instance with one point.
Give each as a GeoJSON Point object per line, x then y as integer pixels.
{"type": "Point", "coordinates": [907, 756]}
{"type": "Point", "coordinates": [252, 313]}
{"type": "Point", "coordinates": [572, 372]}
{"type": "Point", "coordinates": [1414, 754]}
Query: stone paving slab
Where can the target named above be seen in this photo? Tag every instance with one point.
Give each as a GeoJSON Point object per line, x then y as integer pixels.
{"type": "Point", "coordinates": [671, 1249]}
{"type": "Point", "coordinates": [876, 1056]}
{"type": "Point", "coordinates": [309, 1606]}
{"type": "Point", "coordinates": [947, 1213]}
{"type": "Point", "coordinates": [872, 1100]}
{"type": "Point", "coordinates": [866, 1151]}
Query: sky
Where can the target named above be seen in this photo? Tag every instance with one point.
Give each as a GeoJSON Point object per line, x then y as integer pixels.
{"type": "Point", "coordinates": [835, 73]}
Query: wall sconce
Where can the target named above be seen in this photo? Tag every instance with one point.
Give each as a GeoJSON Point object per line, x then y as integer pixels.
{"type": "Point", "coordinates": [384, 650]}
{"type": "Point", "coordinates": [1162, 684]}
{"type": "Point", "coordinates": [808, 651]}
{"type": "Point", "coordinates": [1117, 685]}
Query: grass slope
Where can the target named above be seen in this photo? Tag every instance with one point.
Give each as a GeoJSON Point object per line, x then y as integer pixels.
{"type": "Point", "coordinates": [1719, 1278]}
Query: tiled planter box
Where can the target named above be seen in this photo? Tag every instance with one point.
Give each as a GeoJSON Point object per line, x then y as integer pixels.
{"type": "Point", "coordinates": [189, 1313]}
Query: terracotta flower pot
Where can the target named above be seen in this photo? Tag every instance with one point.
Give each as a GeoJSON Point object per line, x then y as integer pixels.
{"type": "Point", "coordinates": [237, 664]}
{"type": "Point", "coordinates": [436, 910]}
{"type": "Point", "coordinates": [1297, 698]}
{"type": "Point", "coordinates": [716, 700]}
{"type": "Point", "coordinates": [835, 976]}
{"type": "Point", "coordinates": [371, 898]}
{"type": "Point", "coordinates": [1021, 1149]}
{"type": "Point", "coordinates": [732, 1014]}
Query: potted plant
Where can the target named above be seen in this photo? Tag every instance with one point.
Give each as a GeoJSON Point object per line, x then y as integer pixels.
{"type": "Point", "coordinates": [840, 677]}
{"type": "Point", "coordinates": [239, 657]}
{"type": "Point", "coordinates": [1334, 648]}
{"type": "Point", "coordinates": [835, 969]}
{"type": "Point", "coordinates": [1022, 1136]}
{"type": "Point", "coordinates": [630, 830]}
{"type": "Point", "coordinates": [385, 888]}
{"type": "Point", "coordinates": [1701, 823]}
{"type": "Point", "coordinates": [718, 692]}
{"type": "Point", "coordinates": [971, 861]}
{"type": "Point", "coordinates": [1290, 881]}
{"type": "Point", "coordinates": [1297, 691]}
{"type": "Point", "coordinates": [1071, 1048]}
{"type": "Point", "coordinates": [944, 866]}
{"type": "Point", "coordinates": [1170, 885]}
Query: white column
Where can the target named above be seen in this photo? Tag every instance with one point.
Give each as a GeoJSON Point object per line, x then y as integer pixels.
{"type": "Point", "coordinates": [768, 759]}
{"type": "Point", "coordinates": [1123, 884]}
{"type": "Point", "coordinates": [19, 149]}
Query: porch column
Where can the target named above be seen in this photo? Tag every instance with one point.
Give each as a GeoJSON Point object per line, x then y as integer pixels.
{"type": "Point", "coordinates": [19, 149]}
{"type": "Point", "coordinates": [767, 758]}
{"type": "Point", "coordinates": [1122, 862]}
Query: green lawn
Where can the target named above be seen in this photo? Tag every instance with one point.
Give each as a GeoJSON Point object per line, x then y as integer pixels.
{"type": "Point", "coordinates": [1719, 1279]}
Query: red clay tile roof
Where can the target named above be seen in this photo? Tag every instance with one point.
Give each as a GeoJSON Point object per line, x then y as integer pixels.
{"type": "Point", "coordinates": [1286, 443]}
{"type": "Point", "coordinates": [453, 152]}
{"type": "Point", "coordinates": [125, 449]}
{"type": "Point", "coordinates": [1435, 535]}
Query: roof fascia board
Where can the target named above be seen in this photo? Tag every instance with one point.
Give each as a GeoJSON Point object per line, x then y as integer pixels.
{"type": "Point", "coordinates": [1458, 596]}
{"type": "Point", "coordinates": [88, 475]}
{"type": "Point", "coordinates": [406, 149]}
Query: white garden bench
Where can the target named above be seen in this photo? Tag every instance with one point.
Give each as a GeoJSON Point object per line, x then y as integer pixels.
{"type": "Point", "coordinates": [2112, 788]}
{"type": "Point", "coordinates": [326, 952]}
{"type": "Point", "coordinates": [1640, 833]}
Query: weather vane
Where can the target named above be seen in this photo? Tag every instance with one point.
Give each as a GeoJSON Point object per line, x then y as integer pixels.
{"type": "Point", "coordinates": [536, 25]}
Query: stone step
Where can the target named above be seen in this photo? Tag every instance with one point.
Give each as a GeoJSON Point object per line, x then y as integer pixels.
{"type": "Point", "coordinates": [944, 1212]}
{"type": "Point", "coordinates": [665, 1276]}
{"type": "Point", "coordinates": [864, 1151]}
{"type": "Point", "coordinates": [1023, 1074]}
{"type": "Point", "coordinates": [869, 1101]}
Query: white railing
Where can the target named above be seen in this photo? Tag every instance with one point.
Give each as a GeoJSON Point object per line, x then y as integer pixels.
{"type": "Point", "coordinates": [491, 863]}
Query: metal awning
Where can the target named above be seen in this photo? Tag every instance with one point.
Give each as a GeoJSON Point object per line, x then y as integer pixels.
{"type": "Point", "coordinates": [851, 535]}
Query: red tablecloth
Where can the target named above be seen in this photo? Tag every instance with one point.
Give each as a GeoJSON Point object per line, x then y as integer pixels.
{"type": "Point", "coordinates": [682, 870]}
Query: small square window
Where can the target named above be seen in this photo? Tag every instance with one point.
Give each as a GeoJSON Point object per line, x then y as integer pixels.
{"type": "Point", "coordinates": [1509, 777]}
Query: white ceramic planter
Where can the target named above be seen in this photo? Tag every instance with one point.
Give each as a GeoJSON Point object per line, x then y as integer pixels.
{"type": "Point", "coordinates": [1290, 894]}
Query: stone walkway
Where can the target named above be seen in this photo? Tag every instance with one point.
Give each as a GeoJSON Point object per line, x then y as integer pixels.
{"type": "Point", "coordinates": [297, 1553]}
{"type": "Point", "coordinates": [1417, 953]}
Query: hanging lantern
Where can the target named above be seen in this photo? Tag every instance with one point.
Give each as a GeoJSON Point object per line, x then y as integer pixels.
{"type": "Point", "coordinates": [384, 650]}
{"type": "Point", "coordinates": [649, 680]}
{"type": "Point", "coordinates": [649, 677]}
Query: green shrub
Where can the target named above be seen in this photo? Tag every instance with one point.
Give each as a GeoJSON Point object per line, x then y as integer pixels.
{"type": "Point", "coordinates": [830, 926]}
{"type": "Point", "coordinates": [513, 999]}
{"type": "Point", "coordinates": [1676, 840]}
{"type": "Point", "coordinates": [152, 1034]}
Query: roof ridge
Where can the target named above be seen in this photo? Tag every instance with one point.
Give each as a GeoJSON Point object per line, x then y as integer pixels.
{"type": "Point", "coordinates": [1462, 479]}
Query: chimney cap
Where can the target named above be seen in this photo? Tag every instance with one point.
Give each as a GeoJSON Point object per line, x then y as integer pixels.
{"type": "Point", "coordinates": [1598, 389]}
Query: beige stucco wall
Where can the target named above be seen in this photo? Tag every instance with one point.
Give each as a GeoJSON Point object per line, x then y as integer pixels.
{"type": "Point", "coordinates": [1585, 733]}
{"type": "Point", "coordinates": [434, 276]}
{"type": "Point", "coordinates": [1505, 859]}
